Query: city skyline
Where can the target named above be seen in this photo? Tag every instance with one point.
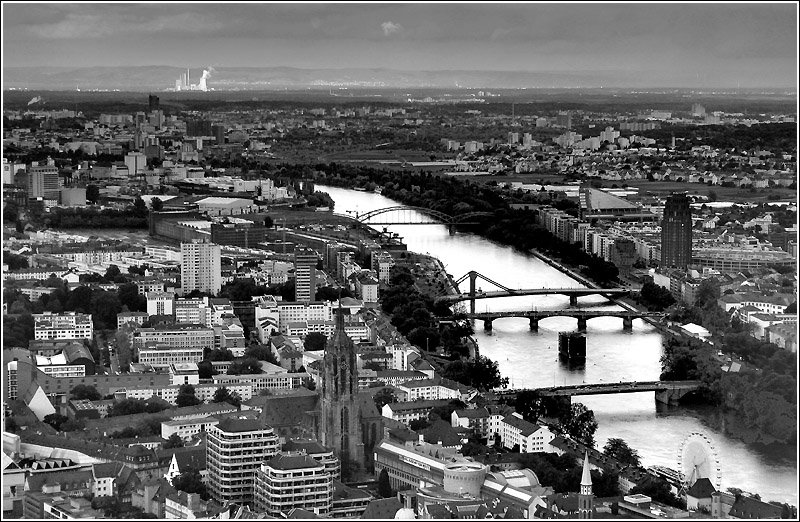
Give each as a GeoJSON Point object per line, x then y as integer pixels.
{"type": "Point", "coordinates": [672, 45]}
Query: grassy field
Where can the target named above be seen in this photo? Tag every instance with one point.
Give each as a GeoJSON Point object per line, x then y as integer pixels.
{"type": "Point", "coordinates": [660, 188]}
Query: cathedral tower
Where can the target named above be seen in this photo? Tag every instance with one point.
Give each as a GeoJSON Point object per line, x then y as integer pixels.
{"type": "Point", "coordinates": [586, 496]}
{"type": "Point", "coordinates": [340, 426]}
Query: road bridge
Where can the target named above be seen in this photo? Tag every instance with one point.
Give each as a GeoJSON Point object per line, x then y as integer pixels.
{"type": "Point", "coordinates": [667, 392]}
{"type": "Point", "coordinates": [474, 294]}
{"type": "Point", "coordinates": [411, 215]}
{"type": "Point", "coordinates": [534, 316]}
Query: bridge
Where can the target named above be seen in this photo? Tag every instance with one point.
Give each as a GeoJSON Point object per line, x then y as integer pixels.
{"type": "Point", "coordinates": [472, 295]}
{"type": "Point", "coordinates": [411, 215]}
{"type": "Point", "coordinates": [667, 392]}
{"type": "Point", "coordinates": [534, 316]}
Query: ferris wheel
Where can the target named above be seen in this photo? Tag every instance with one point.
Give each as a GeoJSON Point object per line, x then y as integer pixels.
{"type": "Point", "coordinates": [697, 458]}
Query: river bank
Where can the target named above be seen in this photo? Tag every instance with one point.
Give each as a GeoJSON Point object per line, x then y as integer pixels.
{"type": "Point", "coordinates": [529, 358]}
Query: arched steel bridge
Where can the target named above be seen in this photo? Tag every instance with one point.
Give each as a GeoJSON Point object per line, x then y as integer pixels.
{"type": "Point", "coordinates": [474, 294]}
{"type": "Point", "coordinates": [534, 316]}
{"type": "Point", "coordinates": [404, 215]}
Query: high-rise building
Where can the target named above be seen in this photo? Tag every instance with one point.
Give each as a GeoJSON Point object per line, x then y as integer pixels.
{"type": "Point", "coordinates": [235, 449]}
{"type": "Point", "coordinates": [198, 128]}
{"type": "Point", "coordinates": [340, 426]}
{"type": "Point", "coordinates": [586, 495]}
{"type": "Point", "coordinates": [305, 272]}
{"type": "Point", "coordinates": [676, 232]}
{"type": "Point", "coordinates": [43, 182]}
{"type": "Point", "coordinates": [152, 103]}
{"type": "Point", "coordinates": [201, 267]}
{"type": "Point", "coordinates": [136, 161]}
{"type": "Point", "coordinates": [218, 131]}
{"type": "Point", "coordinates": [293, 480]}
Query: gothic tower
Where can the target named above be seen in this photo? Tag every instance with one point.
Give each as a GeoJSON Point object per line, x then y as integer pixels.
{"type": "Point", "coordinates": [340, 426]}
{"type": "Point", "coordinates": [586, 497]}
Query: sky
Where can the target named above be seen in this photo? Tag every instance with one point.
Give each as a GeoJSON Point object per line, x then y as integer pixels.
{"type": "Point", "coordinates": [730, 43]}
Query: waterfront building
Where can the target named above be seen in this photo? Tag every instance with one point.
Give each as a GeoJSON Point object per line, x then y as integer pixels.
{"type": "Point", "coordinates": [235, 449]}
{"type": "Point", "coordinates": [305, 271]}
{"type": "Point", "coordinates": [676, 232]}
{"type": "Point", "coordinates": [201, 267]}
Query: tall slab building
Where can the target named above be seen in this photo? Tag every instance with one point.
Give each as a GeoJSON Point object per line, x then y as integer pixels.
{"type": "Point", "coordinates": [676, 232]}
{"type": "Point", "coordinates": [201, 267]}
{"type": "Point", "coordinates": [305, 271]}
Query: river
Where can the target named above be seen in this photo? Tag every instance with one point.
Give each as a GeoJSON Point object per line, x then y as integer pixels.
{"type": "Point", "coordinates": [529, 359]}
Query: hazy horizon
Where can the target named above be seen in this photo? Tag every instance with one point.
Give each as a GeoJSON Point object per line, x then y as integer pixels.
{"type": "Point", "coordinates": [669, 45]}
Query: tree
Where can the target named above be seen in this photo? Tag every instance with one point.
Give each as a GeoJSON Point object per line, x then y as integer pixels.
{"type": "Point", "coordinates": [383, 397]}
{"type": "Point", "coordinates": [619, 449]}
{"type": "Point", "coordinates": [205, 370]}
{"type": "Point", "coordinates": [55, 420]}
{"type": "Point", "coordinates": [384, 486]}
{"type": "Point", "coordinates": [261, 352]}
{"type": "Point", "coordinates": [156, 204]}
{"type": "Point", "coordinates": [174, 441]}
{"type": "Point", "coordinates": [315, 341]}
{"type": "Point", "coordinates": [190, 481]}
{"type": "Point", "coordinates": [186, 396]}
{"type": "Point", "coordinates": [92, 193]}
{"type": "Point", "coordinates": [225, 395]}
{"type": "Point", "coordinates": [580, 424]}
{"type": "Point", "coordinates": [246, 366]}
{"type": "Point", "coordinates": [112, 273]}
{"type": "Point", "coordinates": [482, 373]}
{"type": "Point", "coordinates": [129, 296]}
{"type": "Point", "coordinates": [85, 391]}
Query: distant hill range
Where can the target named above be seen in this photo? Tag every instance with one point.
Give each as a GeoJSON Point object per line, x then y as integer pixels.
{"type": "Point", "coordinates": [161, 78]}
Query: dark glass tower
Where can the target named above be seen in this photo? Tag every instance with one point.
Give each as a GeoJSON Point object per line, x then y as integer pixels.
{"type": "Point", "coordinates": [676, 232]}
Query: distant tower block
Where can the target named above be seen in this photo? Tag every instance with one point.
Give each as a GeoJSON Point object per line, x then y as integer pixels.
{"type": "Point", "coordinates": [676, 232]}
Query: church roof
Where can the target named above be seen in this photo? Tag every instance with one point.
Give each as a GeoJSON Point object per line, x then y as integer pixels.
{"type": "Point", "coordinates": [702, 488]}
{"type": "Point", "coordinates": [382, 508]}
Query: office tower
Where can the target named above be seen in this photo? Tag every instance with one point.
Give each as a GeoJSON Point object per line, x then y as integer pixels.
{"type": "Point", "coordinates": [136, 161]}
{"type": "Point", "coordinates": [198, 128]}
{"type": "Point", "coordinates": [152, 103]}
{"type": "Point", "coordinates": [218, 131]}
{"type": "Point", "coordinates": [676, 232]}
{"type": "Point", "coordinates": [340, 426]}
{"type": "Point", "coordinates": [201, 267]}
{"type": "Point", "coordinates": [235, 449]}
{"type": "Point", "coordinates": [305, 273]}
{"type": "Point", "coordinates": [293, 480]}
{"type": "Point", "coordinates": [43, 182]}
{"type": "Point", "coordinates": [564, 119]}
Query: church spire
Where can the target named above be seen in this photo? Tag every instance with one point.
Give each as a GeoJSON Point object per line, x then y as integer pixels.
{"type": "Point", "coordinates": [586, 478]}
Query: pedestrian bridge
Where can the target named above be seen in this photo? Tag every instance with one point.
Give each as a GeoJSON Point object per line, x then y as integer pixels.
{"type": "Point", "coordinates": [534, 316]}
{"type": "Point", "coordinates": [667, 392]}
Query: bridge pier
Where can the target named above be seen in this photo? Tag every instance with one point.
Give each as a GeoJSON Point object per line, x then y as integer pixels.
{"type": "Point", "coordinates": [671, 396]}
{"type": "Point", "coordinates": [581, 324]}
{"type": "Point", "coordinates": [473, 275]}
{"type": "Point", "coordinates": [573, 300]}
{"type": "Point", "coordinates": [487, 325]}
{"type": "Point", "coordinates": [627, 323]}
{"type": "Point", "coordinates": [451, 229]}
{"type": "Point", "coordinates": [534, 324]}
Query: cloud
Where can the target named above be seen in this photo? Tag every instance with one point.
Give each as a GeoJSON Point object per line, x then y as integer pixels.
{"type": "Point", "coordinates": [391, 28]}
